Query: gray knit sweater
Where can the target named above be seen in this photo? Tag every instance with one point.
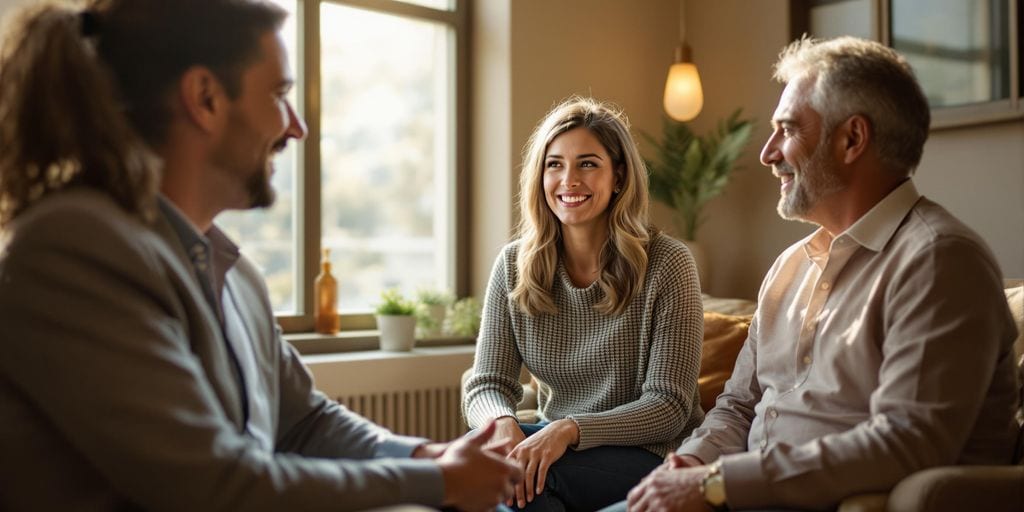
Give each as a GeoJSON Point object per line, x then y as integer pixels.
{"type": "Point", "coordinates": [627, 380]}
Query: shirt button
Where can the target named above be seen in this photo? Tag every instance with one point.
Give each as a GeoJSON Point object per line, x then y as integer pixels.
{"type": "Point", "coordinates": [773, 413]}
{"type": "Point", "coordinates": [807, 359]}
{"type": "Point", "coordinates": [825, 286]}
{"type": "Point", "coordinates": [763, 443]}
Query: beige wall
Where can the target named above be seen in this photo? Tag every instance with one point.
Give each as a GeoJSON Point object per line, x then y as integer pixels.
{"type": "Point", "coordinates": [619, 50]}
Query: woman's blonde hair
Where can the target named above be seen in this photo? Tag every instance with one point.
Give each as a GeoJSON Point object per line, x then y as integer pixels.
{"type": "Point", "coordinates": [623, 258]}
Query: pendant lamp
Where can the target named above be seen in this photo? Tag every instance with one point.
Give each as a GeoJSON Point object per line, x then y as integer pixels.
{"type": "Point", "coordinates": [684, 96]}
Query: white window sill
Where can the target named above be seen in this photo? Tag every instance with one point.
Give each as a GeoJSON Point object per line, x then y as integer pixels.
{"type": "Point", "coordinates": [362, 341]}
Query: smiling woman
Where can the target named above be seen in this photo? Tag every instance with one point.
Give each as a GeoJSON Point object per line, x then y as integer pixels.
{"type": "Point", "coordinates": [576, 299]}
{"type": "Point", "coordinates": [579, 182]}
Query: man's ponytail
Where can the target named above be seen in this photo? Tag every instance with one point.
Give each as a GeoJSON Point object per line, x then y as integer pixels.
{"type": "Point", "coordinates": [61, 123]}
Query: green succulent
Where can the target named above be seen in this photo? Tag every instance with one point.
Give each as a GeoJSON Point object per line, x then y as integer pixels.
{"type": "Point", "coordinates": [393, 303]}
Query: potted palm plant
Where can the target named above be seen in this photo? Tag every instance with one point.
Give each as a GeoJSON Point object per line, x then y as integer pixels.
{"type": "Point", "coordinates": [396, 322]}
{"type": "Point", "coordinates": [688, 170]}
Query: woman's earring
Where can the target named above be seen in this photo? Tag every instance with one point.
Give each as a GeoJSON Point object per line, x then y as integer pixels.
{"type": "Point", "coordinates": [617, 190]}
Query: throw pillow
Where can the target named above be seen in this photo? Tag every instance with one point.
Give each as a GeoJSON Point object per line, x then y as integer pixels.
{"type": "Point", "coordinates": [723, 338]}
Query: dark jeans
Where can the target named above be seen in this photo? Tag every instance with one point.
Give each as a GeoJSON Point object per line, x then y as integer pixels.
{"type": "Point", "coordinates": [591, 479]}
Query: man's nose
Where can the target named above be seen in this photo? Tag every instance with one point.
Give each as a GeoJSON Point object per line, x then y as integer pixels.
{"type": "Point", "coordinates": [296, 126]}
{"type": "Point", "coordinates": [770, 153]}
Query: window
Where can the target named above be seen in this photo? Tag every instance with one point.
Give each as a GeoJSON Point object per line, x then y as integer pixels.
{"type": "Point", "coordinates": [966, 53]}
{"type": "Point", "coordinates": [377, 180]}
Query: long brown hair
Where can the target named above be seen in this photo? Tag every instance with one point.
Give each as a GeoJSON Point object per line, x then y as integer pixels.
{"type": "Point", "coordinates": [84, 94]}
{"type": "Point", "coordinates": [59, 123]}
{"type": "Point", "coordinates": [624, 256]}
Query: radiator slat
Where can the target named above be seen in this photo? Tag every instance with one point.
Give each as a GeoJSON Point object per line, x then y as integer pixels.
{"type": "Point", "coordinates": [413, 393]}
{"type": "Point", "coordinates": [430, 413]}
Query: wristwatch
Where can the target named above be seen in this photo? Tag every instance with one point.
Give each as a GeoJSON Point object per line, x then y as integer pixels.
{"type": "Point", "coordinates": [713, 488]}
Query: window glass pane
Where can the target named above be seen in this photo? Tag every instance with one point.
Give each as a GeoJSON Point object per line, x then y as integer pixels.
{"type": "Point", "coordinates": [847, 18]}
{"type": "Point", "coordinates": [958, 48]}
{"type": "Point", "coordinates": [268, 236]}
{"type": "Point", "coordinates": [385, 148]}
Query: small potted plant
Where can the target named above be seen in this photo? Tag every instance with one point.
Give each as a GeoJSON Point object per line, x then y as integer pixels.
{"type": "Point", "coordinates": [396, 322]}
{"type": "Point", "coordinates": [464, 318]}
{"type": "Point", "coordinates": [431, 308]}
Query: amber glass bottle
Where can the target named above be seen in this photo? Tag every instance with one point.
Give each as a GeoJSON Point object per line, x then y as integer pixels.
{"type": "Point", "coordinates": [326, 289]}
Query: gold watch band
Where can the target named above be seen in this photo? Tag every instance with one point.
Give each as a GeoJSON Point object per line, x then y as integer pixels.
{"type": "Point", "coordinates": [712, 487]}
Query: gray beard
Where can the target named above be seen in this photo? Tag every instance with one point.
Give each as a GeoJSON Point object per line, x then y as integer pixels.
{"type": "Point", "coordinates": [817, 180]}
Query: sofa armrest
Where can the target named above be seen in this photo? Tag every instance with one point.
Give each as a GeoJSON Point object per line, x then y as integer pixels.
{"type": "Point", "coordinates": [957, 488]}
{"type": "Point", "coordinates": [864, 503]}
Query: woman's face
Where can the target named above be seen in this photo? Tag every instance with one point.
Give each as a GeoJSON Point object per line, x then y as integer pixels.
{"type": "Point", "coordinates": [579, 179]}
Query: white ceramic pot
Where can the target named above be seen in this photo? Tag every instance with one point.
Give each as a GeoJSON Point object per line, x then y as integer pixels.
{"type": "Point", "coordinates": [397, 332]}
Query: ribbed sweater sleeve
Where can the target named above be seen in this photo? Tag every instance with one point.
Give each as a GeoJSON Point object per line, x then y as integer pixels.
{"type": "Point", "coordinates": [494, 390]}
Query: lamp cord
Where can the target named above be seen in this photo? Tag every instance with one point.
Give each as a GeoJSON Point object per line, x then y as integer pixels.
{"type": "Point", "coordinates": [682, 20]}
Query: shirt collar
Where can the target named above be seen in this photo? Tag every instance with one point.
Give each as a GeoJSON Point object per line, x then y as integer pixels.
{"type": "Point", "coordinates": [874, 229]}
{"type": "Point", "coordinates": [215, 245]}
{"type": "Point", "coordinates": [190, 237]}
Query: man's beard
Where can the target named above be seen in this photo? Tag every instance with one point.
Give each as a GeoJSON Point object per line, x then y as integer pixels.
{"type": "Point", "coordinates": [817, 179]}
{"type": "Point", "coordinates": [261, 192]}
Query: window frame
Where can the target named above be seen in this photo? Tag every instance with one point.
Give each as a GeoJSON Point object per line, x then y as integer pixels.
{"type": "Point", "coordinates": [942, 117]}
{"type": "Point", "coordinates": [307, 215]}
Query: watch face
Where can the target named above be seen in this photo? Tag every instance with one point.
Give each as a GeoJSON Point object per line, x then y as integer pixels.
{"type": "Point", "coordinates": [714, 490]}
{"type": "Point", "coordinates": [713, 487]}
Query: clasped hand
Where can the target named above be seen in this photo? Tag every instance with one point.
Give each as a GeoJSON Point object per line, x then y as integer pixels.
{"type": "Point", "coordinates": [535, 454]}
{"type": "Point", "coordinates": [672, 487]}
{"type": "Point", "coordinates": [476, 475]}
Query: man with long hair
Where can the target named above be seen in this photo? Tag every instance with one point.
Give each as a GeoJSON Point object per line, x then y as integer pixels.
{"type": "Point", "coordinates": [142, 365]}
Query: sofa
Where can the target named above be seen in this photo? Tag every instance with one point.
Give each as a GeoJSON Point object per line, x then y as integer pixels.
{"type": "Point", "coordinates": [941, 489]}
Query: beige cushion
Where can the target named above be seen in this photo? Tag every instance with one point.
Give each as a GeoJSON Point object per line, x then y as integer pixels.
{"type": "Point", "coordinates": [729, 306]}
{"type": "Point", "coordinates": [723, 338]}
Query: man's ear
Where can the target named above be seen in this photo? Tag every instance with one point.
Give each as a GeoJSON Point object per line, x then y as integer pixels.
{"type": "Point", "coordinates": [203, 97]}
{"type": "Point", "coordinates": [855, 135]}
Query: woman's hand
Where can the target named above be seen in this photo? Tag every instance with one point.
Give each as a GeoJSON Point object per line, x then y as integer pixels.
{"type": "Point", "coordinates": [507, 435]}
{"type": "Point", "coordinates": [535, 454]}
